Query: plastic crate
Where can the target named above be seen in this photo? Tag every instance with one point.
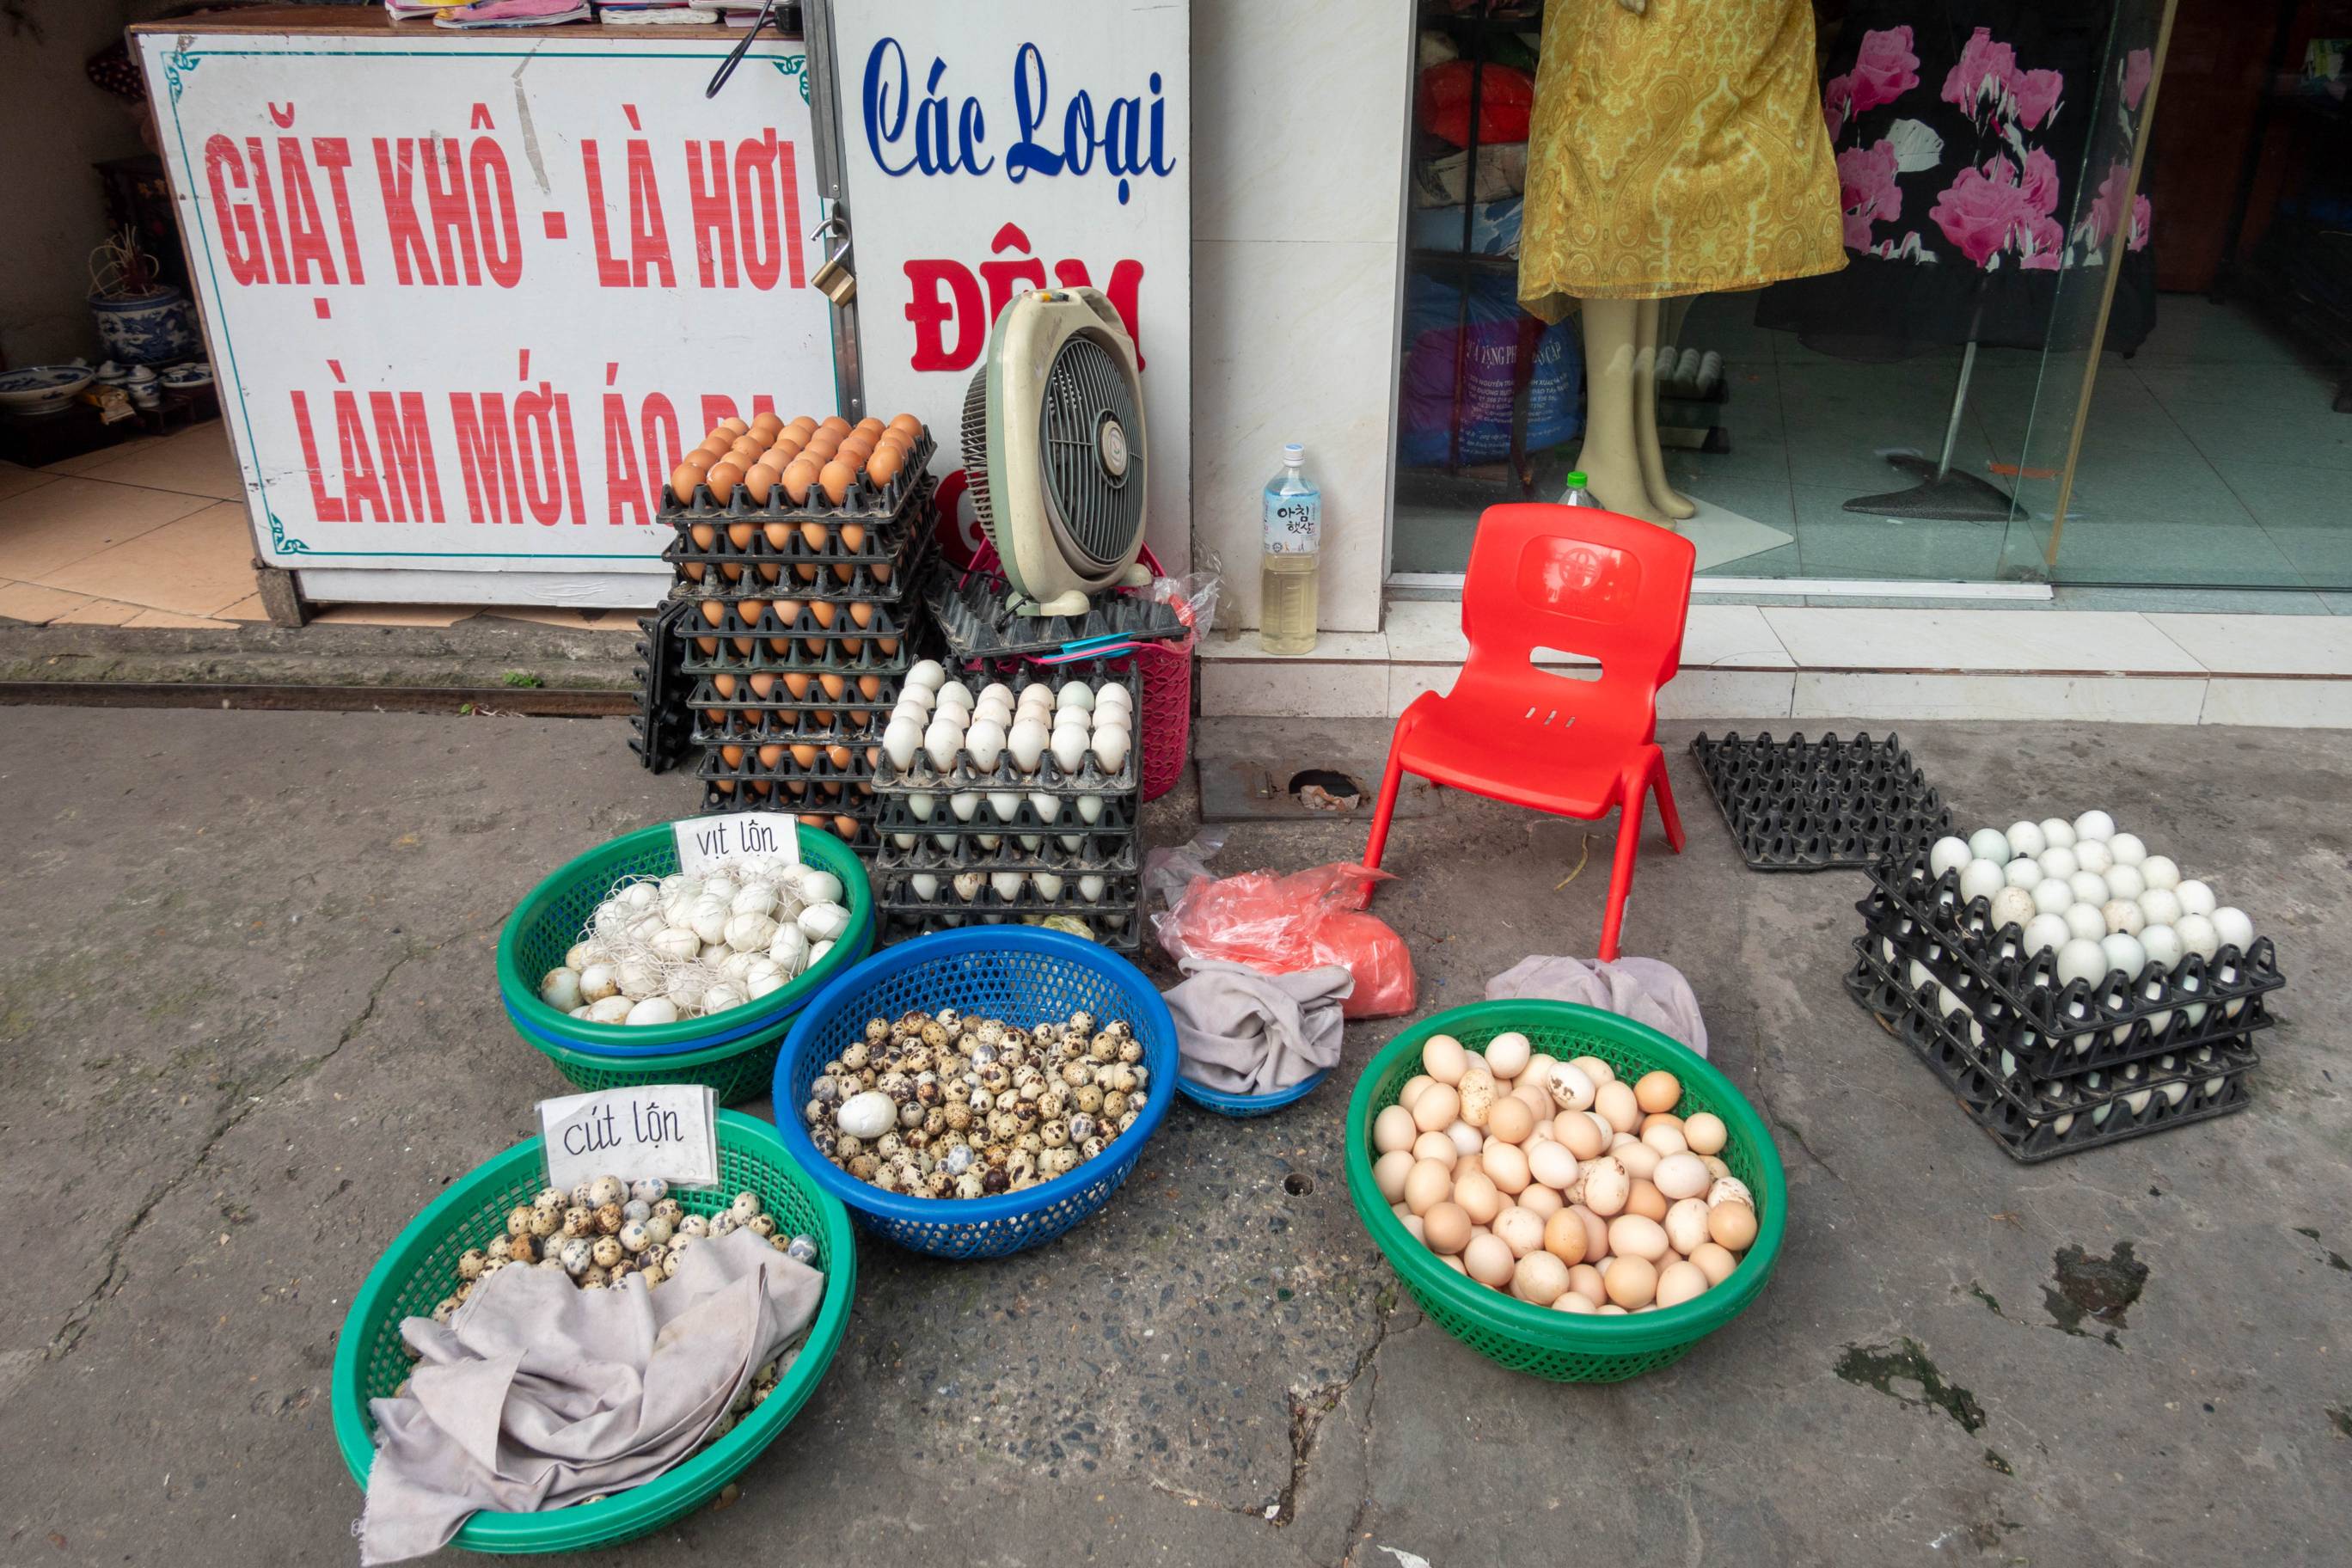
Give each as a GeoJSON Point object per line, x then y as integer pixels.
{"type": "Point", "coordinates": [1019, 975]}
{"type": "Point", "coordinates": [819, 632]}
{"type": "Point", "coordinates": [2029, 1137]}
{"type": "Point", "coordinates": [1813, 805]}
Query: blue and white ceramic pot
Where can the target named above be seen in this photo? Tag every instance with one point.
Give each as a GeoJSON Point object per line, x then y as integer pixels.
{"type": "Point", "coordinates": [156, 327]}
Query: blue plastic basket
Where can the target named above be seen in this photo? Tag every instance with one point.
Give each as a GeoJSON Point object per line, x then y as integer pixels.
{"type": "Point", "coordinates": [1024, 976]}
{"type": "Point", "coordinates": [1248, 1105]}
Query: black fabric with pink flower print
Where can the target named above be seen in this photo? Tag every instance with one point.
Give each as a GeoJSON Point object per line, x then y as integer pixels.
{"type": "Point", "coordinates": [1960, 133]}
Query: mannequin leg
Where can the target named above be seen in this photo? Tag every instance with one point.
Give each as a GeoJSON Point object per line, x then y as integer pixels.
{"type": "Point", "coordinates": [1669, 501]}
{"type": "Point", "coordinates": [1672, 314]}
{"type": "Point", "coordinates": [1611, 461]}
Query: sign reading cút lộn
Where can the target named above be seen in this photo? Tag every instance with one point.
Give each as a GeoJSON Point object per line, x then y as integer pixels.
{"type": "Point", "coordinates": [666, 1129]}
{"type": "Point", "coordinates": [471, 297]}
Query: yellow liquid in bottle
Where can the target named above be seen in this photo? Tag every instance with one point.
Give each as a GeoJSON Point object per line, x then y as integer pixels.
{"type": "Point", "coordinates": [1286, 614]}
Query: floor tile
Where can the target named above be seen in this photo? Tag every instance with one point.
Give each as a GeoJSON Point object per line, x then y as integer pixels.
{"type": "Point", "coordinates": [1905, 698]}
{"type": "Point", "coordinates": [170, 618]}
{"type": "Point", "coordinates": [1780, 562]}
{"type": "Point", "coordinates": [102, 456]}
{"type": "Point", "coordinates": [34, 604]}
{"type": "Point", "coordinates": [1725, 323]}
{"type": "Point", "coordinates": [246, 609]}
{"type": "Point", "coordinates": [196, 461]}
{"type": "Point", "coordinates": [1298, 687]}
{"type": "Point", "coordinates": [2173, 484]}
{"type": "Point", "coordinates": [2188, 326]}
{"type": "Point", "coordinates": [196, 566]}
{"type": "Point", "coordinates": [2243, 415]}
{"type": "Point", "coordinates": [71, 519]}
{"type": "Point", "coordinates": [2306, 509]}
{"type": "Point", "coordinates": [1727, 694]}
{"type": "Point", "coordinates": [2321, 556]}
{"type": "Point", "coordinates": [397, 615]}
{"type": "Point", "coordinates": [2198, 554]}
{"type": "Point", "coordinates": [1835, 542]}
{"type": "Point", "coordinates": [16, 480]}
{"type": "Point", "coordinates": [1975, 639]}
{"type": "Point", "coordinates": [96, 612]}
{"type": "Point", "coordinates": [2261, 645]}
{"type": "Point", "coordinates": [1843, 418]}
{"type": "Point", "coordinates": [2292, 704]}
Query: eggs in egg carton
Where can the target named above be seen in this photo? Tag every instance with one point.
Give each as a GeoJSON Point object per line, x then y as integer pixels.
{"type": "Point", "coordinates": [1071, 854]}
{"type": "Point", "coordinates": [836, 560]}
{"type": "Point", "coordinates": [855, 656]}
{"type": "Point", "coordinates": [843, 821]}
{"type": "Point", "coordinates": [833, 772]}
{"type": "Point", "coordinates": [1935, 1019]}
{"type": "Point", "coordinates": [1804, 805]}
{"type": "Point", "coordinates": [763, 726]}
{"type": "Point", "coordinates": [952, 738]}
{"type": "Point", "coordinates": [2028, 1137]}
{"type": "Point", "coordinates": [788, 625]}
{"type": "Point", "coordinates": [826, 468]}
{"type": "Point", "coordinates": [1110, 918]}
{"type": "Point", "coordinates": [974, 609]}
{"type": "Point", "coordinates": [994, 812]}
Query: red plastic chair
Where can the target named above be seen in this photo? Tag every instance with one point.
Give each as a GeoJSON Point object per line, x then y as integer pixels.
{"type": "Point", "coordinates": [1582, 581]}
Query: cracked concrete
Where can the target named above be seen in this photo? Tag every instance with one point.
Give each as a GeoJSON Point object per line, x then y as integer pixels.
{"type": "Point", "coordinates": [248, 1028]}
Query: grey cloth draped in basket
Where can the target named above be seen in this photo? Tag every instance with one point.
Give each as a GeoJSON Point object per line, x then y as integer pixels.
{"type": "Point", "coordinates": [1646, 990]}
{"type": "Point", "coordinates": [1241, 1031]}
{"type": "Point", "coordinates": [537, 1394]}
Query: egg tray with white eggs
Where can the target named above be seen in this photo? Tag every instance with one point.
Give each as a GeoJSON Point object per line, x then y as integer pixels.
{"type": "Point", "coordinates": [973, 611]}
{"type": "Point", "coordinates": [829, 470]}
{"type": "Point", "coordinates": [1001, 849]}
{"type": "Point", "coordinates": [941, 773]}
{"type": "Point", "coordinates": [2059, 1022]}
{"type": "Point", "coordinates": [744, 557]}
{"type": "Point", "coordinates": [911, 903]}
{"type": "Point", "coordinates": [1937, 1019]}
{"type": "Point", "coordinates": [1799, 806]}
{"type": "Point", "coordinates": [2215, 1084]}
{"type": "Point", "coordinates": [1074, 827]}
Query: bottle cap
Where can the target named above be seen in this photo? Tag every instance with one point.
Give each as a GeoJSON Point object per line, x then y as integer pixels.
{"type": "Point", "coordinates": [1576, 479]}
{"type": "Point", "coordinates": [1294, 453]}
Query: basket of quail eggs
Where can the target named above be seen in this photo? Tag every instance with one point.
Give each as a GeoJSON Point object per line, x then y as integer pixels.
{"type": "Point", "coordinates": [608, 1235]}
{"type": "Point", "coordinates": [623, 968]}
{"type": "Point", "coordinates": [1568, 1192]}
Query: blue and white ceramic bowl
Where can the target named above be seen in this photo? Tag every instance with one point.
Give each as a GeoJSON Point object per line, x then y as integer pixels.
{"type": "Point", "coordinates": [41, 388]}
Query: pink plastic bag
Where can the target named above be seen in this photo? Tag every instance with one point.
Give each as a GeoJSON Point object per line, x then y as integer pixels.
{"type": "Point", "coordinates": [1281, 925]}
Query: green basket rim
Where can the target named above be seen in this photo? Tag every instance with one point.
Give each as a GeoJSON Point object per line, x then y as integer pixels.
{"type": "Point", "coordinates": [1571, 1333]}
{"type": "Point", "coordinates": [677, 1490]}
{"type": "Point", "coordinates": [521, 991]}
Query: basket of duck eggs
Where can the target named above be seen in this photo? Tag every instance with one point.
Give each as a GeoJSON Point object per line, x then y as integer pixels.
{"type": "Point", "coordinates": [2069, 984]}
{"type": "Point", "coordinates": [797, 548]}
{"type": "Point", "coordinates": [1567, 1192]}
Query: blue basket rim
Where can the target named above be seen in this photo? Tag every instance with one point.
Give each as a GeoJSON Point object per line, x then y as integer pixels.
{"type": "Point", "coordinates": [765, 1021]}
{"type": "Point", "coordinates": [1200, 1094]}
{"type": "Point", "coordinates": [866, 1198]}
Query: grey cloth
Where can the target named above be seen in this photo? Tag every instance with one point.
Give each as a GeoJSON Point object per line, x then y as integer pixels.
{"type": "Point", "coordinates": [1643, 989]}
{"type": "Point", "coordinates": [1241, 1031]}
{"type": "Point", "coordinates": [537, 1394]}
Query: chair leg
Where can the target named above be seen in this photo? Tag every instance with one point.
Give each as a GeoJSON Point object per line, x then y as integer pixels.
{"type": "Point", "coordinates": [1666, 812]}
{"type": "Point", "coordinates": [1620, 873]}
{"type": "Point", "coordinates": [1383, 809]}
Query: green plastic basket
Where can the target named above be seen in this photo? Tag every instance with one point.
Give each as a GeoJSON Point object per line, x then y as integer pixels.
{"type": "Point", "coordinates": [548, 921]}
{"type": "Point", "coordinates": [1562, 1346]}
{"type": "Point", "coordinates": [420, 1269]}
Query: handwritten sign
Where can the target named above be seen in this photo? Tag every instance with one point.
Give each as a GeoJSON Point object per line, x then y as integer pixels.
{"type": "Point", "coordinates": [704, 841]}
{"type": "Point", "coordinates": [666, 1129]}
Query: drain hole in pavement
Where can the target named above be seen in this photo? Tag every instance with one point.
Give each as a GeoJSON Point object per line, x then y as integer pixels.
{"type": "Point", "coordinates": [1298, 1186]}
{"type": "Point", "coordinates": [1322, 789]}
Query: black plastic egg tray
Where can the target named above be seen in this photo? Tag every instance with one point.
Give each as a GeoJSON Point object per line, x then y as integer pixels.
{"type": "Point", "coordinates": [1935, 1019]}
{"type": "Point", "coordinates": [745, 798]}
{"type": "Point", "coordinates": [837, 658]}
{"type": "Point", "coordinates": [864, 503]}
{"type": "Point", "coordinates": [1099, 854]}
{"type": "Point", "coordinates": [823, 781]}
{"type": "Point", "coordinates": [661, 728]}
{"type": "Point", "coordinates": [882, 570]}
{"type": "Point", "coordinates": [1817, 805]}
{"type": "Point", "coordinates": [2015, 996]}
{"type": "Point", "coordinates": [759, 727]}
{"type": "Point", "coordinates": [973, 613]}
{"type": "Point", "coordinates": [2029, 1137]}
{"type": "Point", "coordinates": [1117, 818]}
{"type": "Point", "coordinates": [1115, 919]}
{"type": "Point", "coordinates": [920, 777]}
{"type": "Point", "coordinates": [814, 628]}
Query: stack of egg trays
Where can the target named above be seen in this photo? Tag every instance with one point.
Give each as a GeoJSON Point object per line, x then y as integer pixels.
{"type": "Point", "coordinates": [916, 804]}
{"type": "Point", "coordinates": [662, 726]}
{"type": "Point", "coordinates": [779, 550]}
{"type": "Point", "coordinates": [973, 611]}
{"type": "Point", "coordinates": [1812, 806]}
{"type": "Point", "coordinates": [2035, 1123]}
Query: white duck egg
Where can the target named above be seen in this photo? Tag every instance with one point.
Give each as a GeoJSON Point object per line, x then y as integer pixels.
{"type": "Point", "coordinates": [1027, 741]}
{"type": "Point", "coordinates": [1077, 694]}
{"type": "Point", "coordinates": [2162, 944]}
{"type": "Point", "coordinates": [2094, 826]}
{"type": "Point", "coordinates": [610, 1010]}
{"type": "Point", "coordinates": [2198, 935]}
{"type": "Point", "coordinates": [1006, 885]}
{"type": "Point", "coordinates": [926, 886]}
{"type": "Point", "coordinates": [819, 886]}
{"type": "Point", "coordinates": [1090, 809]}
{"type": "Point", "coordinates": [928, 674]}
{"type": "Point", "coordinates": [2093, 855]}
{"type": "Point", "coordinates": [2057, 833]}
{"type": "Point", "coordinates": [996, 712]}
{"type": "Point", "coordinates": [956, 694]}
{"type": "Point", "coordinates": [2160, 907]}
{"type": "Point", "coordinates": [922, 807]}
{"type": "Point", "coordinates": [2122, 916]}
{"type": "Point", "coordinates": [1091, 888]}
{"type": "Point", "coordinates": [560, 988]}
{"type": "Point", "coordinates": [940, 743]}
{"type": "Point", "coordinates": [788, 949]}
{"type": "Point", "coordinates": [2125, 882]}
{"type": "Point", "coordinates": [986, 741]}
{"type": "Point", "coordinates": [640, 896]}
{"type": "Point", "coordinates": [2129, 849]}
{"type": "Point", "coordinates": [1111, 742]}
{"type": "Point", "coordinates": [678, 943]}
{"type": "Point", "coordinates": [2047, 931]}
{"type": "Point", "coordinates": [824, 922]}
{"type": "Point", "coordinates": [1048, 884]}
{"type": "Point", "coordinates": [653, 1010]}
{"type": "Point", "coordinates": [1990, 844]}
{"type": "Point", "coordinates": [1047, 806]}
{"type": "Point", "coordinates": [2012, 906]}
{"type": "Point", "coordinates": [2085, 920]}
{"type": "Point", "coordinates": [2024, 873]}
{"type": "Point", "coordinates": [2124, 951]}
{"type": "Point", "coordinates": [997, 691]}
{"type": "Point", "coordinates": [723, 997]}
{"type": "Point", "coordinates": [2089, 887]}
{"type": "Point", "coordinates": [964, 804]}
{"type": "Point", "coordinates": [2058, 862]}
{"type": "Point", "coordinates": [2052, 895]}
{"type": "Point", "coordinates": [2196, 897]}
{"type": "Point", "coordinates": [2160, 872]}
{"type": "Point", "coordinates": [1005, 804]}
{"type": "Point", "coordinates": [1978, 879]}
{"type": "Point", "coordinates": [1947, 854]}
{"type": "Point", "coordinates": [2081, 959]}
{"type": "Point", "coordinates": [2234, 927]}
{"type": "Point", "coordinates": [2025, 839]}
{"type": "Point", "coordinates": [899, 742]}
{"type": "Point", "coordinates": [1113, 695]}
{"type": "Point", "coordinates": [1069, 748]}
{"type": "Point", "coordinates": [968, 884]}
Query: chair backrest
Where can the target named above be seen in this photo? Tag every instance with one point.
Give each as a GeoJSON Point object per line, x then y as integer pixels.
{"type": "Point", "coordinates": [1583, 580]}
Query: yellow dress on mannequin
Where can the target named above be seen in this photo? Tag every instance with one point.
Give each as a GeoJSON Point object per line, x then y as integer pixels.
{"type": "Point", "coordinates": [1675, 150]}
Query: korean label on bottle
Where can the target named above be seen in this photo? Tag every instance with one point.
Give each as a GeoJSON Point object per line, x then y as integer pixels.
{"type": "Point", "coordinates": [1294, 524]}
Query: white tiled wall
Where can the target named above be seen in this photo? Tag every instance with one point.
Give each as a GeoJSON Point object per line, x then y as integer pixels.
{"type": "Point", "coordinates": [1298, 143]}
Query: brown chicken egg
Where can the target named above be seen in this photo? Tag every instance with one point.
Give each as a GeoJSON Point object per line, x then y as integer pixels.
{"type": "Point", "coordinates": [907, 422]}
{"type": "Point", "coordinates": [805, 423]}
{"type": "Point", "coordinates": [840, 756]}
{"type": "Point", "coordinates": [772, 756]}
{"type": "Point", "coordinates": [798, 477]}
{"type": "Point", "coordinates": [732, 425]}
{"type": "Point", "coordinates": [763, 685]}
{"type": "Point", "coordinates": [765, 425]}
{"type": "Point", "coordinates": [682, 481]}
{"type": "Point", "coordinates": [722, 479]}
{"type": "Point", "coordinates": [837, 478]}
{"type": "Point", "coordinates": [862, 613]}
{"type": "Point", "coordinates": [834, 422]}
{"type": "Point", "coordinates": [855, 450]}
{"type": "Point", "coordinates": [805, 755]}
{"type": "Point", "coordinates": [731, 755]}
{"type": "Point", "coordinates": [870, 687]}
{"type": "Point", "coordinates": [758, 480]}
{"type": "Point", "coordinates": [884, 465]}
{"type": "Point", "coordinates": [798, 685]}
{"type": "Point", "coordinates": [835, 687]}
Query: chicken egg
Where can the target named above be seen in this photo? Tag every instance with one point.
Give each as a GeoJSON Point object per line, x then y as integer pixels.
{"type": "Point", "coordinates": [837, 476]}
{"type": "Point", "coordinates": [799, 475]}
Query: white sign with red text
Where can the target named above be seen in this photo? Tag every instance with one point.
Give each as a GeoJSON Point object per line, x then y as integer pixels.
{"type": "Point", "coordinates": [471, 296]}
{"type": "Point", "coordinates": [993, 149]}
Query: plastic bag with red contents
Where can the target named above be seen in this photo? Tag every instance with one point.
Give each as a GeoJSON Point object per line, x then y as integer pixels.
{"type": "Point", "coordinates": [1282, 923]}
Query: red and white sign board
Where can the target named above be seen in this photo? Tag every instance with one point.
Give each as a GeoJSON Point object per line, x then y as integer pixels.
{"type": "Point", "coordinates": [469, 297]}
{"type": "Point", "coordinates": [991, 149]}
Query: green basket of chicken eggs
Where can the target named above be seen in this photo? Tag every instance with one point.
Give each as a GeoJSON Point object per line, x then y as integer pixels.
{"type": "Point", "coordinates": [1514, 1310]}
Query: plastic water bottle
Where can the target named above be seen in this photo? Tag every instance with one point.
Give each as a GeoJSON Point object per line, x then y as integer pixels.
{"type": "Point", "coordinates": [1576, 494]}
{"type": "Point", "coordinates": [1294, 538]}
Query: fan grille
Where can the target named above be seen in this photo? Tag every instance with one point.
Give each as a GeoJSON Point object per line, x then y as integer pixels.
{"type": "Point", "coordinates": [975, 451]}
{"type": "Point", "coordinates": [1087, 432]}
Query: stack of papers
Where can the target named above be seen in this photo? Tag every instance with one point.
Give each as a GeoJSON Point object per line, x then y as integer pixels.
{"type": "Point", "coordinates": [501, 13]}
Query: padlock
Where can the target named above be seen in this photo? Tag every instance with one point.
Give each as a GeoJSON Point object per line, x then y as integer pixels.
{"type": "Point", "coordinates": [835, 278]}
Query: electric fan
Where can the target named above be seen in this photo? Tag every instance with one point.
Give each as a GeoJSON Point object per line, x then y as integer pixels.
{"type": "Point", "coordinates": [1054, 451]}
